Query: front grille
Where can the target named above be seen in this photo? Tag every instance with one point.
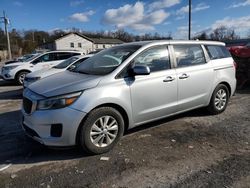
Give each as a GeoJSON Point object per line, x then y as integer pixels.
{"type": "Point", "coordinates": [27, 105]}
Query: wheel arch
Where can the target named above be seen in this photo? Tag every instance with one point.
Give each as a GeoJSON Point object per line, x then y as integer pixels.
{"type": "Point", "coordinates": [22, 70]}
{"type": "Point", "coordinates": [228, 87]}
{"type": "Point", "coordinates": [117, 107]}
{"type": "Point", "coordinates": [215, 85]}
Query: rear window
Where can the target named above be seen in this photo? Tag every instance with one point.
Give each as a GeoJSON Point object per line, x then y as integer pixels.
{"type": "Point", "coordinates": [217, 52]}
{"type": "Point", "coordinates": [65, 55]}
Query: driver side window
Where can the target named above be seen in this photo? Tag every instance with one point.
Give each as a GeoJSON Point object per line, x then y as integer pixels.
{"type": "Point", "coordinates": [156, 58]}
{"type": "Point", "coordinates": [189, 55]}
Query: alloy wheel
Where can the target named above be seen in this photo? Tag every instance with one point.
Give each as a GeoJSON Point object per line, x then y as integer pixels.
{"type": "Point", "coordinates": [220, 99]}
{"type": "Point", "coordinates": [104, 131]}
{"type": "Point", "coordinates": [21, 78]}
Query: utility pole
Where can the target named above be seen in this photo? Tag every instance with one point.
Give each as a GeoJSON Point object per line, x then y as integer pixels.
{"type": "Point", "coordinates": [33, 37]}
{"type": "Point", "coordinates": [189, 22]}
{"type": "Point", "coordinates": [6, 22]}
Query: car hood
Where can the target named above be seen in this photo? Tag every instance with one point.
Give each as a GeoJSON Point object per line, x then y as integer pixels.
{"type": "Point", "coordinates": [64, 83]}
{"type": "Point", "coordinates": [15, 64]}
{"type": "Point", "coordinates": [44, 73]}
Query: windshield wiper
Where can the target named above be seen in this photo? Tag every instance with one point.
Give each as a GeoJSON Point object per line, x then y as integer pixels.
{"type": "Point", "coordinates": [58, 67]}
{"type": "Point", "coordinates": [82, 72]}
{"type": "Point", "coordinates": [76, 71]}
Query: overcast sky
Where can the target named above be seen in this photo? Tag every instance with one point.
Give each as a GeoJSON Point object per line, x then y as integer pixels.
{"type": "Point", "coordinates": [138, 17]}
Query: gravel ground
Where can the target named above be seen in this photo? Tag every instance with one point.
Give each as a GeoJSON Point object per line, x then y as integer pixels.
{"type": "Point", "coordinates": [189, 150]}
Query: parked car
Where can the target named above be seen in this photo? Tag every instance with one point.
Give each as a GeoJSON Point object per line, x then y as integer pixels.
{"type": "Point", "coordinates": [72, 62]}
{"type": "Point", "coordinates": [10, 61]}
{"type": "Point", "coordinates": [96, 51]}
{"type": "Point", "coordinates": [240, 51]}
{"type": "Point", "coordinates": [21, 59]}
{"type": "Point", "coordinates": [126, 86]}
{"type": "Point", "coordinates": [26, 56]}
{"type": "Point", "coordinates": [17, 71]}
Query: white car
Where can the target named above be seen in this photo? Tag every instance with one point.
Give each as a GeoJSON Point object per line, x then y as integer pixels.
{"type": "Point", "coordinates": [17, 71]}
{"type": "Point", "coordinates": [70, 63]}
{"type": "Point", "coordinates": [21, 59]}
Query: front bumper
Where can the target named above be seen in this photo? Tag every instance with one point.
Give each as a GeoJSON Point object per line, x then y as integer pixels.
{"type": "Point", "coordinates": [7, 74]}
{"type": "Point", "coordinates": [38, 125]}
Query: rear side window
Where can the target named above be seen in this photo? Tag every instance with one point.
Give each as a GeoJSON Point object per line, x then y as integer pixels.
{"type": "Point", "coordinates": [217, 52]}
{"type": "Point", "coordinates": [64, 55]}
{"type": "Point", "coordinates": [189, 55]}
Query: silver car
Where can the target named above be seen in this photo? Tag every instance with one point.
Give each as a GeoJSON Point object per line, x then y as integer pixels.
{"type": "Point", "coordinates": [126, 86]}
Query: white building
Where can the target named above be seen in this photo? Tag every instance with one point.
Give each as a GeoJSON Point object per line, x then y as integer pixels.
{"type": "Point", "coordinates": [79, 42]}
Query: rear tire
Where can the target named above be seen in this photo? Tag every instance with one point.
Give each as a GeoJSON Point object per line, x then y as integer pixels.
{"type": "Point", "coordinates": [20, 77]}
{"type": "Point", "coordinates": [219, 100]}
{"type": "Point", "coordinates": [101, 130]}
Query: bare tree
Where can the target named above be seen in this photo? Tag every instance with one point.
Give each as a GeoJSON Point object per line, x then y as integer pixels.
{"type": "Point", "coordinates": [26, 41]}
{"type": "Point", "coordinates": [202, 36]}
{"type": "Point", "coordinates": [223, 33]}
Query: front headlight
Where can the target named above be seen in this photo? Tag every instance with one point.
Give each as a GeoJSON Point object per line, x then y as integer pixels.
{"type": "Point", "coordinates": [57, 102]}
{"type": "Point", "coordinates": [10, 67]}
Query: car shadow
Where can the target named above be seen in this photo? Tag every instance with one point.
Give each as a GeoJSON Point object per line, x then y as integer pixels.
{"type": "Point", "coordinates": [17, 148]}
{"type": "Point", "coordinates": [14, 94]}
{"type": "Point", "coordinates": [245, 89]}
{"type": "Point", "coordinates": [7, 83]}
{"type": "Point", "coordinates": [201, 112]}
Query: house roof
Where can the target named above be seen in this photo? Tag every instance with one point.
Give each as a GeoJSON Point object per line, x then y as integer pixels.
{"type": "Point", "coordinates": [106, 41]}
{"type": "Point", "coordinates": [95, 40]}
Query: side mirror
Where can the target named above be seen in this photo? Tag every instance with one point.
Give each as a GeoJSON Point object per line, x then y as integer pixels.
{"type": "Point", "coordinates": [141, 70]}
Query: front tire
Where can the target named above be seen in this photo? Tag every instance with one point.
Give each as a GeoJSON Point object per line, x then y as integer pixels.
{"type": "Point", "coordinates": [101, 130]}
{"type": "Point", "coordinates": [20, 77]}
{"type": "Point", "coordinates": [219, 100]}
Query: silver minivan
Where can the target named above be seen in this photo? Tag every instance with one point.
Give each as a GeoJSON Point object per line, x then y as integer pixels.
{"type": "Point", "coordinates": [126, 86]}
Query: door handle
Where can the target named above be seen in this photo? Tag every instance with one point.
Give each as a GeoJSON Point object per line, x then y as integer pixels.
{"type": "Point", "coordinates": [184, 76]}
{"type": "Point", "coordinates": [168, 79]}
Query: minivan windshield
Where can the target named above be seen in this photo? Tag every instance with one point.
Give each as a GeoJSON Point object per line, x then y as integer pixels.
{"type": "Point", "coordinates": [66, 63]}
{"type": "Point", "coordinates": [106, 61]}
